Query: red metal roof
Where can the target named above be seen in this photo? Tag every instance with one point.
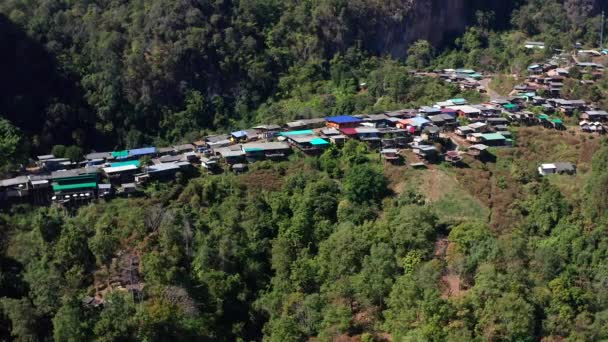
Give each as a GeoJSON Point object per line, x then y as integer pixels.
{"type": "Point", "coordinates": [348, 131]}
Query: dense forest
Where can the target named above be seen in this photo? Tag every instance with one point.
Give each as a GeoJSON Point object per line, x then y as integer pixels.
{"type": "Point", "coordinates": [108, 74]}
{"type": "Point", "coordinates": [324, 247]}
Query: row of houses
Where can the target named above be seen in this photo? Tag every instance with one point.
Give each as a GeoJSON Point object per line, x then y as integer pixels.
{"type": "Point", "coordinates": [550, 76]}
{"type": "Point", "coordinates": [103, 174]}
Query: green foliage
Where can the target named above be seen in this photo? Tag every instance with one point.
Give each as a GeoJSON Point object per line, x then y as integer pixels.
{"type": "Point", "coordinates": [69, 323]}
{"type": "Point", "coordinates": [116, 320]}
{"type": "Point", "coordinates": [73, 153]}
{"type": "Point", "coordinates": [597, 198]}
{"type": "Point", "coordinates": [363, 183]}
{"type": "Point", "coordinates": [474, 244]}
{"type": "Point", "coordinates": [58, 151]}
{"type": "Point", "coordinates": [420, 54]}
{"type": "Point", "coordinates": [323, 254]}
{"type": "Point", "coordinates": [11, 145]}
{"type": "Point", "coordinates": [415, 309]}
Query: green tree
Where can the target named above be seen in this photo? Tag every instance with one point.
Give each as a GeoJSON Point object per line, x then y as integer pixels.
{"type": "Point", "coordinates": [69, 323]}
{"type": "Point", "coordinates": [473, 244]}
{"type": "Point", "coordinates": [116, 320]}
{"type": "Point", "coordinates": [377, 274]}
{"type": "Point", "coordinates": [509, 317]}
{"type": "Point", "coordinates": [597, 197]}
{"type": "Point", "coordinates": [420, 54]}
{"type": "Point", "coordinates": [73, 153]}
{"type": "Point", "coordinates": [363, 183]}
{"type": "Point", "coordinates": [22, 316]}
{"type": "Point", "coordinates": [59, 151]}
{"type": "Point", "coordinates": [415, 308]}
{"type": "Point", "coordinates": [12, 147]}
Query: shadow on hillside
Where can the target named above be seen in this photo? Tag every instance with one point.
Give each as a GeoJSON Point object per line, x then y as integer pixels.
{"type": "Point", "coordinates": [35, 96]}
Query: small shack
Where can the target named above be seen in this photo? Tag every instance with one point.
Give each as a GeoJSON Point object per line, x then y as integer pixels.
{"type": "Point", "coordinates": [121, 172]}
{"type": "Point", "coordinates": [269, 150]}
{"type": "Point", "coordinates": [453, 157]}
{"type": "Point", "coordinates": [557, 168]}
{"type": "Point", "coordinates": [390, 155]}
{"type": "Point", "coordinates": [478, 151]}
{"type": "Point", "coordinates": [427, 152]}
{"type": "Point", "coordinates": [493, 139]}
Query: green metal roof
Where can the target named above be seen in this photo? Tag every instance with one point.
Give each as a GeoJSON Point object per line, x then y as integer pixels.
{"type": "Point", "coordinates": [510, 106]}
{"type": "Point", "coordinates": [300, 132]}
{"type": "Point", "coordinates": [57, 187]}
{"type": "Point", "coordinates": [318, 141]}
{"type": "Point", "coordinates": [557, 121]}
{"type": "Point", "coordinates": [126, 163]}
{"type": "Point", "coordinates": [465, 71]}
{"type": "Point", "coordinates": [120, 154]}
{"type": "Point", "coordinates": [543, 117]}
{"type": "Point", "coordinates": [253, 149]}
{"type": "Point", "coordinates": [458, 100]}
{"type": "Point", "coordinates": [493, 136]}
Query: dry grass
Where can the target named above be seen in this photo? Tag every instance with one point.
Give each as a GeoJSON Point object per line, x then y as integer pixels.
{"type": "Point", "coordinates": [496, 185]}
{"type": "Point", "coordinates": [264, 179]}
{"type": "Point", "coordinates": [503, 84]}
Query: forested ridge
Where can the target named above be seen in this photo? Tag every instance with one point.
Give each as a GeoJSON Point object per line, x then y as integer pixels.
{"type": "Point", "coordinates": [330, 247]}
{"type": "Point", "coordinates": [123, 73]}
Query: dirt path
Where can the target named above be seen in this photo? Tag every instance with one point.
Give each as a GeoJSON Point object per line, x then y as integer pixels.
{"type": "Point", "coordinates": [485, 83]}
{"type": "Point", "coordinates": [434, 191]}
{"type": "Point", "coordinates": [457, 140]}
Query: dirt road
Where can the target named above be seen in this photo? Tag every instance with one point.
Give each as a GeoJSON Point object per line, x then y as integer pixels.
{"type": "Point", "coordinates": [485, 83]}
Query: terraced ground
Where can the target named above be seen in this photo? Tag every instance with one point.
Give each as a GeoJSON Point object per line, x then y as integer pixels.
{"type": "Point", "coordinates": [490, 191]}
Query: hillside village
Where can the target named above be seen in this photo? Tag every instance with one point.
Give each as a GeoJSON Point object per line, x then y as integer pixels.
{"type": "Point", "coordinates": [274, 171]}
{"type": "Point", "coordinates": [443, 131]}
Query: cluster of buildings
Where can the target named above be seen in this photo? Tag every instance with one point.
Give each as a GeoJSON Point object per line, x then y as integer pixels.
{"type": "Point", "coordinates": [549, 78]}
{"type": "Point", "coordinates": [474, 127]}
{"type": "Point", "coordinates": [465, 79]}
{"type": "Point", "coordinates": [104, 174]}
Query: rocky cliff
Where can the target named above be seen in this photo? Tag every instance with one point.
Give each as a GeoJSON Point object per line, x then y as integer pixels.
{"type": "Point", "coordinates": [437, 21]}
{"type": "Point", "coordinates": [440, 21]}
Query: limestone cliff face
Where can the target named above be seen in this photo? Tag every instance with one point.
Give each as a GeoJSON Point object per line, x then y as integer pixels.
{"type": "Point", "coordinates": [440, 21]}
{"type": "Point", "coordinates": [437, 21]}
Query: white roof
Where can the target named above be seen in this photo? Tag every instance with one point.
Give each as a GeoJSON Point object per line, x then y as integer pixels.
{"type": "Point", "coordinates": [548, 166]}
{"type": "Point", "coordinates": [366, 130]}
{"type": "Point", "coordinates": [266, 146]}
{"type": "Point", "coordinates": [445, 104]}
{"type": "Point", "coordinates": [477, 125]}
{"type": "Point", "coordinates": [163, 167]}
{"type": "Point", "coordinates": [388, 151]}
{"type": "Point", "coordinates": [480, 147]}
{"type": "Point", "coordinates": [466, 109]}
{"type": "Point", "coordinates": [464, 128]}
{"type": "Point", "coordinates": [117, 169]}
{"type": "Point", "coordinates": [14, 181]}
{"type": "Point", "coordinates": [231, 153]}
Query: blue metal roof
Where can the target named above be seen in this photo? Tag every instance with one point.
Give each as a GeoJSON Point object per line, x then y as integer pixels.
{"type": "Point", "coordinates": [418, 121]}
{"type": "Point", "coordinates": [142, 151]}
{"type": "Point", "coordinates": [342, 119]}
{"type": "Point", "coordinates": [239, 134]}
